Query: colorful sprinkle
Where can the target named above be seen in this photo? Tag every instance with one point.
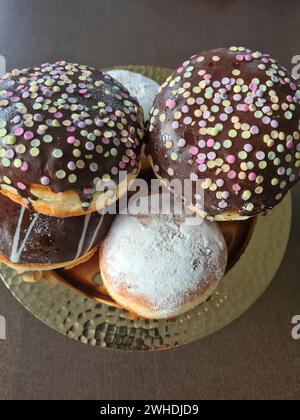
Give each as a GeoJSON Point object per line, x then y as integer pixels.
{"type": "Point", "coordinates": [45, 180]}
{"type": "Point", "coordinates": [171, 104]}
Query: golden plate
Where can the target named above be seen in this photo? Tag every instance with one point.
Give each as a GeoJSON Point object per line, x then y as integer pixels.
{"type": "Point", "coordinates": [85, 313]}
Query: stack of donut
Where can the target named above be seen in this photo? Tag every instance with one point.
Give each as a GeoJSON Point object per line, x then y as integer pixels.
{"type": "Point", "coordinates": [65, 129]}
{"type": "Point", "coordinates": [229, 118]}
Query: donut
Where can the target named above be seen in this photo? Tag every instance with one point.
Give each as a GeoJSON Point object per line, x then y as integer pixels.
{"type": "Point", "coordinates": [33, 241]}
{"type": "Point", "coordinates": [228, 118]}
{"type": "Point", "coordinates": [157, 266]}
{"type": "Point", "coordinates": [65, 129]}
{"type": "Point", "coordinates": [139, 86]}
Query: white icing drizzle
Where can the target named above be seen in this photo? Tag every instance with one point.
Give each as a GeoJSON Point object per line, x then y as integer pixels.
{"type": "Point", "coordinates": [87, 219]}
{"type": "Point", "coordinates": [96, 232]}
{"type": "Point", "coordinates": [15, 251]}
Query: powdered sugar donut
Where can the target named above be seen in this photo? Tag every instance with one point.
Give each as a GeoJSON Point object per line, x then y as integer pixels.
{"type": "Point", "coordinates": [159, 267]}
{"type": "Point", "coordinates": [140, 87]}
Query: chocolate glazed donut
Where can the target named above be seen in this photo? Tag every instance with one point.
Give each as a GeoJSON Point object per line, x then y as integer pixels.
{"type": "Point", "coordinates": [230, 118]}
{"type": "Point", "coordinates": [65, 128]}
{"type": "Point", "coordinates": [29, 238]}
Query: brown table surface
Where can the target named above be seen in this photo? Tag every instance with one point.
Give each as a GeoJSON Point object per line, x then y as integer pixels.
{"type": "Point", "coordinates": [255, 357]}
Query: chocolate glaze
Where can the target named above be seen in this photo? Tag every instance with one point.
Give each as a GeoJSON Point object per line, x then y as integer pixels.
{"type": "Point", "coordinates": [66, 126]}
{"type": "Point", "coordinates": [247, 92]}
{"type": "Point", "coordinates": [52, 240]}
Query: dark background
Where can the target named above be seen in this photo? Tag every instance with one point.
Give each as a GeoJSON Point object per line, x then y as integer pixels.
{"type": "Point", "coordinates": [253, 358]}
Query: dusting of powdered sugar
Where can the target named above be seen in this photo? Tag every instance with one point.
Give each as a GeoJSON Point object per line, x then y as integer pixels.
{"type": "Point", "coordinates": [162, 259]}
{"type": "Point", "coordinates": [139, 86]}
